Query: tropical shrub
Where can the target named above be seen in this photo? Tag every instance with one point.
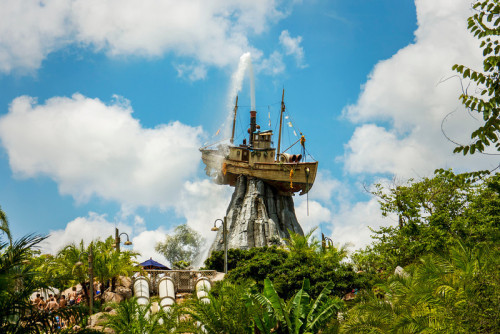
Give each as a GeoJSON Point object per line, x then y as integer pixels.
{"type": "Point", "coordinates": [455, 293]}
{"type": "Point", "coordinates": [133, 318]}
{"type": "Point", "coordinates": [432, 214]}
{"type": "Point", "coordinates": [299, 315]}
{"type": "Point", "coordinates": [287, 268]}
{"type": "Point", "coordinates": [227, 310]}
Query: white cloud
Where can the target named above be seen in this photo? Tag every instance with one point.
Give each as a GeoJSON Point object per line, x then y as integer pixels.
{"type": "Point", "coordinates": [292, 47]}
{"type": "Point", "coordinates": [317, 214]}
{"type": "Point", "coordinates": [405, 93]}
{"type": "Point", "coordinates": [30, 30]}
{"type": "Point", "coordinates": [192, 72]}
{"type": "Point", "coordinates": [272, 65]}
{"type": "Point", "coordinates": [96, 226]}
{"type": "Point", "coordinates": [92, 227]}
{"type": "Point", "coordinates": [214, 33]}
{"type": "Point", "coordinates": [90, 148]}
{"type": "Point", "coordinates": [201, 203]}
{"type": "Point", "coordinates": [145, 243]}
{"type": "Point", "coordinates": [350, 225]}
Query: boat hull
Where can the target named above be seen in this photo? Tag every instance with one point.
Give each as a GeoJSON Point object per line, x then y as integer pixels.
{"type": "Point", "coordinates": [286, 177]}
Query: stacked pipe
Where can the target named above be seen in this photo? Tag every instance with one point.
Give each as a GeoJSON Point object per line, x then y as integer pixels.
{"type": "Point", "coordinates": [141, 290]}
{"type": "Point", "coordinates": [285, 157]}
{"type": "Point", "coordinates": [202, 288]}
{"type": "Point", "coordinates": [166, 291]}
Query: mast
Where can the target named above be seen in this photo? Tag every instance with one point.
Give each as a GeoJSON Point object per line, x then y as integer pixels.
{"type": "Point", "coordinates": [281, 124]}
{"type": "Point", "coordinates": [234, 119]}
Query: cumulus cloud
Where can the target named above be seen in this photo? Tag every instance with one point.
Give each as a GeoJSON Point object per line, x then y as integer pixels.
{"type": "Point", "coordinates": [92, 227]}
{"type": "Point", "coordinates": [145, 243]}
{"type": "Point", "coordinates": [272, 65]}
{"type": "Point", "coordinates": [201, 203]}
{"type": "Point", "coordinates": [92, 148]}
{"type": "Point", "coordinates": [312, 214]}
{"type": "Point", "coordinates": [292, 47]}
{"type": "Point", "coordinates": [98, 227]}
{"type": "Point", "coordinates": [352, 222]}
{"type": "Point", "coordinates": [339, 214]}
{"type": "Point", "coordinates": [198, 202]}
{"type": "Point", "coordinates": [29, 30]}
{"type": "Point", "coordinates": [212, 33]}
{"type": "Point", "coordinates": [404, 101]}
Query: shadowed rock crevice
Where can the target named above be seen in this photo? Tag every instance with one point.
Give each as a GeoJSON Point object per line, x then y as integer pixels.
{"type": "Point", "coordinates": [258, 215]}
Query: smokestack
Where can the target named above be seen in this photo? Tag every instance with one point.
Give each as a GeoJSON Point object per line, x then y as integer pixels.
{"type": "Point", "coordinates": [253, 125]}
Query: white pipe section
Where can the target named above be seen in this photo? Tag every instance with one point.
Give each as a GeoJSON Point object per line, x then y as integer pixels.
{"type": "Point", "coordinates": [166, 291]}
{"type": "Point", "coordinates": [202, 288]}
{"type": "Point", "coordinates": [141, 290]}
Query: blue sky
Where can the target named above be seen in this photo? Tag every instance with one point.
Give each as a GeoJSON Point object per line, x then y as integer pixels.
{"type": "Point", "coordinates": [103, 105]}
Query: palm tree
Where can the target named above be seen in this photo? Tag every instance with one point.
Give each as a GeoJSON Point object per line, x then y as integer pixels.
{"type": "Point", "coordinates": [4, 225]}
{"type": "Point", "coordinates": [109, 264]}
{"type": "Point", "coordinates": [302, 244]}
{"type": "Point", "coordinates": [67, 268]}
{"type": "Point", "coordinates": [18, 281]}
{"type": "Point", "coordinates": [300, 314]}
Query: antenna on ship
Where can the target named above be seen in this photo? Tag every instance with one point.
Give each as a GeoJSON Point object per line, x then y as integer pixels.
{"type": "Point", "coordinates": [281, 124]}
{"type": "Point", "coordinates": [234, 119]}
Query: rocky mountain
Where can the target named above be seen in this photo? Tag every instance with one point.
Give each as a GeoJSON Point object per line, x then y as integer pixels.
{"type": "Point", "coordinates": [258, 215]}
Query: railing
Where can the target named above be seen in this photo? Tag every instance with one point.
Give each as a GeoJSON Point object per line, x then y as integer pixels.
{"type": "Point", "coordinates": [184, 280]}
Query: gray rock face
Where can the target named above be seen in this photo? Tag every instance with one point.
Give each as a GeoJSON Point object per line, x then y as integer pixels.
{"type": "Point", "coordinates": [257, 216]}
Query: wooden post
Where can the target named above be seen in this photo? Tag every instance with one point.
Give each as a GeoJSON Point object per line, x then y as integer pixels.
{"type": "Point", "coordinates": [281, 125]}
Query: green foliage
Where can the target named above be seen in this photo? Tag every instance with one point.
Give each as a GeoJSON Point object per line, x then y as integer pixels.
{"type": "Point", "coordinates": [18, 281]}
{"type": "Point", "coordinates": [228, 311]}
{"type": "Point", "coordinates": [61, 271]}
{"type": "Point", "coordinates": [300, 314]}
{"type": "Point", "coordinates": [287, 268]}
{"type": "Point", "coordinates": [484, 25]}
{"type": "Point", "coordinates": [108, 263]}
{"type": "Point", "coordinates": [432, 214]}
{"type": "Point", "coordinates": [456, 293]}
{"type": "Point", "coordinates": [259, 260]}
{"type": "Point", "coordinates": [181, 265]}
{"type": "Point", "coordinates": [4, 225]}
{"type": "Point", "coordinates": [183, 245]}
{"type": "Point", "coordinates": [132, 318]}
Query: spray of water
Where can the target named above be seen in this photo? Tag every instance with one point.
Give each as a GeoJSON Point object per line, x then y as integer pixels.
{"type": "Point", "coordinates": [244, 65]}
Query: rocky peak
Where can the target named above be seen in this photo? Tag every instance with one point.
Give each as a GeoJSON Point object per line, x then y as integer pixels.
{"type": "Point", "coordinates": [258, 215]}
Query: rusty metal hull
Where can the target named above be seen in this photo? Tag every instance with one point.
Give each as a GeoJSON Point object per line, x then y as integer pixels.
{"type": "Point", "coordinates": [278, 174]}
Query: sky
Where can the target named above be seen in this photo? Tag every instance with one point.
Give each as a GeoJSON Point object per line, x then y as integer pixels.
{"type": "Point", "coordinates": [105, 103]}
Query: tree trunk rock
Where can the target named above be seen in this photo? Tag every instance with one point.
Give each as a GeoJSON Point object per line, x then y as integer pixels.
{"type": "Point", "coordinates": [258, 215]}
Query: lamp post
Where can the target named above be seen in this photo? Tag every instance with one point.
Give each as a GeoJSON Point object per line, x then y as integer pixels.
{"type": "Point", "coordinates": [324, 240]}
{"type": "Point", "coordinates": [117, 240]}
{"type": "Point", "coordinates": [224, 238]}
{"type": "Point", "coordinates": [90, 257]}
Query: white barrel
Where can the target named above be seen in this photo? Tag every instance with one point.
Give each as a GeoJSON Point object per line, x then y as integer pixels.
{"type": "Point", "coordinates": [141, 290]}
{"type": "Point", "coordinates": [166, 291]}
{"type": "Point", "coordinates": [202, 288]}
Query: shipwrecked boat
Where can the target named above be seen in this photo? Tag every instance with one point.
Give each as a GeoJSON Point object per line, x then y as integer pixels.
{"type": "Point", "coordinates": [288, 173]}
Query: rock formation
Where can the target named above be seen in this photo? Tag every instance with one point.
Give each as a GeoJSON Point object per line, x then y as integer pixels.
{"type": "Point", "coordinates": [257, 216]}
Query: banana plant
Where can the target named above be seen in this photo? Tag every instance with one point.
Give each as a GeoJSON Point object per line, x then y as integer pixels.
{"type": "Point", "coordinates": [300, 315]}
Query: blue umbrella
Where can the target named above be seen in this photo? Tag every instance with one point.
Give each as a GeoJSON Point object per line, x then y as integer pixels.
{"type": "Point", "coordinates": [152, 264]}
